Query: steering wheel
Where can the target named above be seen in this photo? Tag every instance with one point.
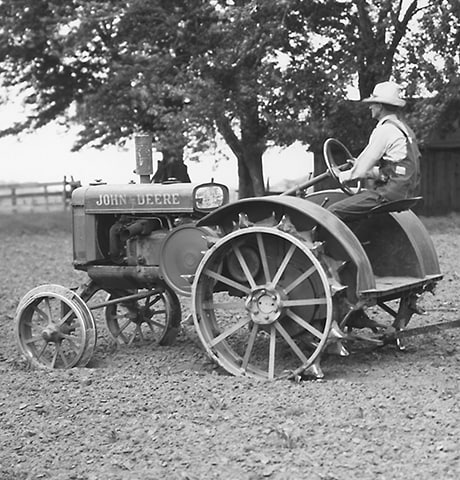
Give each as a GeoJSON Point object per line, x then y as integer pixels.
{"type": "Point", "coordinates": [338, 157]}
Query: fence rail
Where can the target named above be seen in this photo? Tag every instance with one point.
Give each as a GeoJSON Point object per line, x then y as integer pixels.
{"type": "Point", "coordinates": [31, 195]}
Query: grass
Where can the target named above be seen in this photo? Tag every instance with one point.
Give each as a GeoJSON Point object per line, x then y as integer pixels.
{"type": "Point", "coordinates": [21, 223]}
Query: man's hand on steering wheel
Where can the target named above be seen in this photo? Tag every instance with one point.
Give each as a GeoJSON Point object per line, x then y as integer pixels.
{"type": "Point", "coordinates": [343, 172]}
{"type": "Point", "coordinates": [332, 150]}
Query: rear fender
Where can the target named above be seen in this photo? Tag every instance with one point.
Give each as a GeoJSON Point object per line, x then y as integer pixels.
{"type": "Point", "coordinates": [340, 243]}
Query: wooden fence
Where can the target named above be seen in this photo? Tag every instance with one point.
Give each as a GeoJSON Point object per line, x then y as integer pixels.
{"type": "Point", "coordinates": [440, 186]}
{"type": "Point", "coordinates": [35, 195]}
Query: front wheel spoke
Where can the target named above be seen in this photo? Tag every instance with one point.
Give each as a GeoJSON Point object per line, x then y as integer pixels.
{"type": "Point", "coordinates": [151, 323]}
{"type": "Point", "coordinates": [33, 339]}
{"type": "Point", "coordinates": [141, 333]}
{"type": "Point", "coordinates": [303, 302]}
{"type": "Point", "coordinates": [263, 257]}
{"type": "Point", "coordinates": [48, 307]}
{"type": "Point", "coordinates": [42, 351]}
{"type": "Point", "coordinates": [63, 358]}
{"type": "Point", "coordinates": [150, 302]}
{"type": "Point", "coordinates": [227, 281]}
{"type": "Point", "coordinates": [291, 343]}
{"type": "Point", "coordinates": [300, 279]}
{"type": "Point", "coordinates": [272, 351]}
{"type": "Point", "coordinates": [41, 314]}
{"type": "Point", "coordinates": [304, 324]}
{"type": "Point", "coordinates": [244, 266]}
{"type": "Point", "coordinates": [284, 264]}
{"type": "Point", "coordinates": [133, 336]}
{"type": "Point", "coordinates": [124, 326]}
{"type": "Point", "coordinates": [229, 331]}
{"type": "Point", "coordinates": [65, 317]}
{"type": "Point", "coordinates": [70, 341]}
{"type": "Point", "coordinates": [55, 355]}
{"type": "Point", "coordinates": [250, 346]}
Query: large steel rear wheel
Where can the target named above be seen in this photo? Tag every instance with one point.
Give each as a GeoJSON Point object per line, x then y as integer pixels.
{"type": "Point", "coordinates": [155, 318]}
{"type": "Point", "coordinates": [54, 328]}
{"type": "Point", "coordinates": [262, 303]}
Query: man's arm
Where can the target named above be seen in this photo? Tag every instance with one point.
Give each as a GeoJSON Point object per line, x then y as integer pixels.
{"type": "Point", "coordinates": [365, 165]}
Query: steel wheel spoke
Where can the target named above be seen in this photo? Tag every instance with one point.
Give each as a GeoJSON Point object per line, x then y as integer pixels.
{"type": "Point", "coordinates": [150, 322]}
{"type": "Point", "coordinates": [133, 336]}
{"type": "Point", "coordinates": [244, 266]}
{"type": "Point", "coordinates": [41, 314]}
{"type": "Point", "coordinates": [42, 351]}
{"type": "Point", "coordinates": [141, 335]}
{"type": "Point", "coordinates": [71, 342]}
{"type": "Point", "coordinates": [229, 332]}
{"type": "Point", "coordinates": [300, 279]}
{"type": "Point", "coordinates": [48, 307]}
{"type": "Point", "coordinates": [155, 299]}
{"type": "Point", "coordinates": [55, 355]}
{"type": "Point", "coordinates": [66, 317]}
{"type": "Point", "coordinates": [222, 305]}
{"type": "Point", "coordinates": [304, 302]}
{"type": "Point", "coordinates": [63, 358]}
{"type": "Point", "coordinates": [263, 257]}
{"type": "Point", "coordinates": [33, 339]}
{"type": "Point", "coordinates": [291, 343]}
{"type": "Point", "coordinates": [125, 325]}
{"type": "Point", "coordinates": [227, 281]}
{"type": "Point", "coordinates": [271, 355]}
{"type": "Point", "coordinates": [283, 265]}
{"type": "Point", "coordinates": [250, 346]}
{"type": "Point", "coordinates": [304, 324]}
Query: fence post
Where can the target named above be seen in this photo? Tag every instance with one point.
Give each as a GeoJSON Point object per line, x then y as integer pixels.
{"type": "Point", "coordinates": [64, 193]}
{"type": "Point", "coordinates": [45, 187]}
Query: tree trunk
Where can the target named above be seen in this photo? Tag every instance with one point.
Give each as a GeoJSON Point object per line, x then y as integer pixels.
{"type": "Point", "coordinates": [248, 151]}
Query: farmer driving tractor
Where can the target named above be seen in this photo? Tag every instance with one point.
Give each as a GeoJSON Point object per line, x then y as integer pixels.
{"type": "Point", "coordinates": [390, 163]}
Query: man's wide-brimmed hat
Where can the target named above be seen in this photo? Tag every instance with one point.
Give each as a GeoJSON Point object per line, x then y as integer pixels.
{"type": "Point", "coordinates": [388, 93]}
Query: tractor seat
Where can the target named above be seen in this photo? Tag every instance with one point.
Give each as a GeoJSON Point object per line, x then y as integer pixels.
{"type": "Point", "coordinates": [395, 205]}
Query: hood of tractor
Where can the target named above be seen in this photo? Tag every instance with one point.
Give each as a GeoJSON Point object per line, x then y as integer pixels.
{"type": "Point", "coordinates": [136, 198]}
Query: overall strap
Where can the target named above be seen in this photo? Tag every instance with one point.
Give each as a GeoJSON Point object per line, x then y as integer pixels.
{"type": "Point", "coordinates": [399, 127]}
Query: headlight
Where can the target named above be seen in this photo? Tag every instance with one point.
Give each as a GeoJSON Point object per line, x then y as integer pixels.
{"type": "Point", "coordinates": [209, 196]}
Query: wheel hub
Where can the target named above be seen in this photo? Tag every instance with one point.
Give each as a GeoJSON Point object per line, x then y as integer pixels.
{"type": "Point", "coordinates": [264, 305]}
{"type": "Point", "coordinates": [51, 334]}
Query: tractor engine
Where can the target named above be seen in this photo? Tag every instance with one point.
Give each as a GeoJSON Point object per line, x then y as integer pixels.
{"type": "Point", "coordinates": [138, 235]}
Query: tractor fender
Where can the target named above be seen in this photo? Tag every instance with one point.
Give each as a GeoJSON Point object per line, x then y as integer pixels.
{"type": "Point", "coordinates": [420, 240]}
{"type": "Point", "coordinates": [340, 243]}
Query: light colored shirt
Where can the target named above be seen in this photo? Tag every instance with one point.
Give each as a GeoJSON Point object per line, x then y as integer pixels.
{"type": "Point", "coordinates": [385, 142]}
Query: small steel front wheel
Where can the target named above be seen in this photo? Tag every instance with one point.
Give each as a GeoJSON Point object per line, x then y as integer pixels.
{"type": "Point", "coordinates": [155, 318]}
{"type": "Point", "coordinates": [54, 328]}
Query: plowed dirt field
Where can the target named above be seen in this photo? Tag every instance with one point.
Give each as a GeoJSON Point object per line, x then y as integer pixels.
{"type": "Point", "coordinates": [154, 412]}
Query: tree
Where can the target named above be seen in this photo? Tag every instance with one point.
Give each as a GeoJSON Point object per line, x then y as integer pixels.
{"type": "Point", "coordinates": [257, 71]}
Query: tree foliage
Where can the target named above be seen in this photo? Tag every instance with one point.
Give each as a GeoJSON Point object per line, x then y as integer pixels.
{"type": "Point", "coordinates": [256, 71]}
